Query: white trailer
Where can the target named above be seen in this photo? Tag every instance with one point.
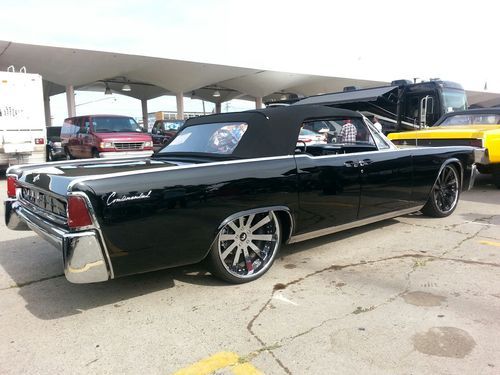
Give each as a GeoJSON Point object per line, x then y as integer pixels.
{"type": "Point", "coordinates": [22, 118]}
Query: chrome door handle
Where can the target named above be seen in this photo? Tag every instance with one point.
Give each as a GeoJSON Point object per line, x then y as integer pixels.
{"type": "Point", "coordinates": [365, 162]}
{"type": "Point", "coordinates": [351, 164]}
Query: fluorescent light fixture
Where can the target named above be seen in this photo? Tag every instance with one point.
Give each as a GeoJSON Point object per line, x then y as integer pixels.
{"type": "Point", "coordinates": [216, 93]}
{"type": "Point", "coordinates": [126, 88]}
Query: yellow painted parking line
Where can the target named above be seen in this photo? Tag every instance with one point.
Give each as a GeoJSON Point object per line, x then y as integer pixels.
{"type": "Point", "coordinates": [208, 365]}
{"type": "Point", "coordinates": [491, 243]}
{"type": "Point", "coordinates": [219, 361]}
{"type": "Point", "coordinates": [245, 369]}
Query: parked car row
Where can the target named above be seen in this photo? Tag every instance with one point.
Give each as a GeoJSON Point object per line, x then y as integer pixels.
{"type": "Point", "coordinates": [98, 136]}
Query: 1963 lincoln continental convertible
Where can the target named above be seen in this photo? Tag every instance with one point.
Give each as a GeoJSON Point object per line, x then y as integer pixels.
{"type": "Point", "coordinates": [230, 189]}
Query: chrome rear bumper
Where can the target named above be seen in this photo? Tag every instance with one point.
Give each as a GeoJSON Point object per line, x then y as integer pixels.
{"type": "Point", "coordinates": [83, 255]}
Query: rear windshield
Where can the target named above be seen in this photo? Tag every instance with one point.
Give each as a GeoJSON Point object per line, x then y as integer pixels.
{"type": "Point", "coordinates": [214, 138]}
{"type": "Point", "coordinates": [115, 125]}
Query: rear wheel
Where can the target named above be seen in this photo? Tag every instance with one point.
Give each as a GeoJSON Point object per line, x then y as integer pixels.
{"type": "Point", "coordinates": [444, 195]}
{"type": "Point", "coordinates": [246, 247]}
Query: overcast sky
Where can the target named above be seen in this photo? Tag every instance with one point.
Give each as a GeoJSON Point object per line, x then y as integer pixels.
{"type": "Point", "coordinates": [377, 40]}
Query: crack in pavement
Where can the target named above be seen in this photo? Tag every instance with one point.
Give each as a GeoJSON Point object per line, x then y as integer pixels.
{"type": "Point", "coordinates": [451, 227]}
{"type": "Point", "coordinates": [26, 283]}
{"type": "Point", "coordinates": [372, 308]}
{"type": "Point", "coordinates": [334, 267]}
{"type": "Point", "coordinates": [460, 243]}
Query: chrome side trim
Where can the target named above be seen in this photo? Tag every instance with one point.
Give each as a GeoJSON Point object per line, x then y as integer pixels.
{"type": "Point", "coordinates": [354, 224]}
{"type": "Point", "coordinates": [258, 211]}
{"type": "Point", "coordinates": [473, 174]}
{"type": "Point", "coordinates": [175, 167]}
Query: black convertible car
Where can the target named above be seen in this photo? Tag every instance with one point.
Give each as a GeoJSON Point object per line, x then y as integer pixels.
{"type": "Point", "coordinates": [230, 189]}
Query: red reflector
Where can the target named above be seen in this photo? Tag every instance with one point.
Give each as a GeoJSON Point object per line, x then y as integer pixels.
{"type": "Point", "coordinates": [476, 142]}
{"type": "Point", "coordinates": [78, 213]}
{"type": "Point", "coordinates": [39, 141]}
{"type": "Point", "coordinates": [11, 186]}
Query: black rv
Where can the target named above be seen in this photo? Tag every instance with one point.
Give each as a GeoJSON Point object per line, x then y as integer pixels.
{"type": "Point", "coordinates": [401, 106]}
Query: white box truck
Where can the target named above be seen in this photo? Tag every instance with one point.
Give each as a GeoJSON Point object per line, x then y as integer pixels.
{"type": "Point", "coordinates": [22, 119]}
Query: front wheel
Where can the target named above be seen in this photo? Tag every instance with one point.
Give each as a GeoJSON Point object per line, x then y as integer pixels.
{"type": "Point", "coordinates": [444, 195]}
{"type": "Point", "coordinates": [246, 247]}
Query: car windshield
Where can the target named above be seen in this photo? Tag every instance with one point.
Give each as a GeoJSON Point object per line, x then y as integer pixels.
{"type": "Point", "coordinates": [305, 132]}
{"type": "Point", "coordinates": [454, 100]}
{"type": "Point", "coordinates": [169, 126]}
{"type": "Point", "coordinates": [53, 131]}
{"type": "Point", "coordinates": [214, 138]}
{"type": "Point", "coordinates": [115, 125]}
{"type": "Point", "coordinates": [472, 119]}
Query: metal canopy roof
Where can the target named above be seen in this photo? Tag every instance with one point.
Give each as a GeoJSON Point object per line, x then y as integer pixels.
{"type": "Point", "coordinates": [151, 77]}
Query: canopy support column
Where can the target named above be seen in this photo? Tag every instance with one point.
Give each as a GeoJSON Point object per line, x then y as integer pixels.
{"type": "Point", "coordinates": [180, 105]}
{"type": "Point", "coordinates": [218, 107]}
{"type": "Point", "coordinates": [258, 102]}
{"type": "Point", "coordinates": [70, 100]}
{"type": "Point", "coordinates": [48, 115]}
{"type": "Point", "coordinates": [144, 104]}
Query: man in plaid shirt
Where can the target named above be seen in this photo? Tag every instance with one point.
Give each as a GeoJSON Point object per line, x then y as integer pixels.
{"type": "Point", "coordinates": [348, 132]}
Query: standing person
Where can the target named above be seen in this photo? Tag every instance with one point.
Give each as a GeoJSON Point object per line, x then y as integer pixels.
{"type": "Point", "coordinates": [348, 132]}
{"type": "Point", "coordinates": [377, 124]}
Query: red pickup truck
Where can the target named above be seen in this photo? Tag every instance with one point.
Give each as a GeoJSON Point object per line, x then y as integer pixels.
{"type": "Point", "coordinates": [104, 136]}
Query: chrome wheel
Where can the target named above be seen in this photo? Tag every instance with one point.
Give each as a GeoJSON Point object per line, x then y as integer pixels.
{"type": "Point", "coordinates": [247, 246]}
{"type": "Point", "coordinates": [444, 195]}
{"type": "Point", "coordinates": [446, 190]}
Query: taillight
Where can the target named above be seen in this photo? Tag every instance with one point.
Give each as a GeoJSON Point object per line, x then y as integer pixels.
{"type": "Point", "coordinates": [78, 212]}
{"type": "Point", "coordinates": [39, 141]}
{"type": "Point", "coordinates": [11, 186]}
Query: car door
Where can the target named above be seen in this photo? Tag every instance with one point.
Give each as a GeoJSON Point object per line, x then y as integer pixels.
{"type": "Point", "coordinates": [329, 191]}
{"type": "Point", "coordinates": [386, 178]}
{"type": "Point", "coordinates": [329, 184]}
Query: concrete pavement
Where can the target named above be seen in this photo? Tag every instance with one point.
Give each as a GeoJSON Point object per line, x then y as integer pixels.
{"type": "Point", "coordinates": [411, 295]}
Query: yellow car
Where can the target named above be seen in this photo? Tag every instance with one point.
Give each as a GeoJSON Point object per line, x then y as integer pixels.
{"type": "Point", "coordinates": [475, 127]}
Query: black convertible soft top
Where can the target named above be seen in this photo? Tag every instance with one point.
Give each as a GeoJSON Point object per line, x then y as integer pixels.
{"type": "Point", "coordinates": [272, 131]}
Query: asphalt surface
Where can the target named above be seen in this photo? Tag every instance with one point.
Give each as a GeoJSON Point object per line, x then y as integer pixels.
{"type": "Point", "coordinates": [411, 295]}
